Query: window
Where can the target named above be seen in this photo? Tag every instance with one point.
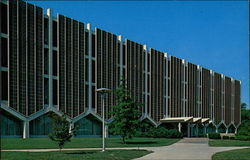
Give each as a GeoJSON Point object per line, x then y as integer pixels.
{"type": "Point", "coordinates": [86, 43]}
{"type": "Point", "coordinates": [54, 33]}
{"type": "Point", "coordinates": [148, 62]}
{"type": "Point", "coordinates": [123, 73]}
{"type": "Point", "coordinates": [4, 55]}
{"type": "Point", "coordinates": [54, 63]}
{"type": "Point", "coordinates": [93, 96]}
{"type": "Point", "coordinates": [118, 52]}
{"type": "Point", "coordinates": [46, 91]}
{"type": "Point", "coordinates": [4, 85]}
{"type": "Point", "coordinates": [123, 55]}
{"type": "Point", "coordinates": [86, 69]}
{"type": "Point", "coordinates": [46, 31]}
{"type": "Point", "coordinates": [148, 83]}
{"type": "Point", "coordinates": [93, 71]}
{"type": "Point", "coordinates": [93, 45]}
{"type": "Point", "coordinates": [87, 95]}
{"type": "Point", "coordinates": [4, 21]}
{"type": "Point", "coordinates": [54, 92]}
{"type": "Point", "coordinates": [46, 61]}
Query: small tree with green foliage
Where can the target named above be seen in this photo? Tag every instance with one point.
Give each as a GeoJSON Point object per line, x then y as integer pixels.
{"type": "Point", "coordinates": [244, 129]}
{"type": "Point", "coordinates": [245, 113]}
{"type": "Point", "coordinates": [62, 132]}
{"type": "Point", "coordinates": [126, 113]}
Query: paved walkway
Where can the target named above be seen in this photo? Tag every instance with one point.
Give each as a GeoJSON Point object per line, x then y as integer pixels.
{"type": "Point", "coordinates": [70, 149]}
{"type": "Point", "coordinates": [185, 149]}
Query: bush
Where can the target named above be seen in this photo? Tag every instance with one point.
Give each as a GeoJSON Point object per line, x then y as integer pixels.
{"type": "Point", "coordinates": [231, 138]}
{"type": "Point", "coordinates": [244, 131]}
{"type": "Point", "coordinates": [214, 136]}
{"type": "Point", "coordinates": [242, 138]}
{"type": "Point", "coordinates": [160, 132]}
{"type": "Point", "coordinates": [225, 137]}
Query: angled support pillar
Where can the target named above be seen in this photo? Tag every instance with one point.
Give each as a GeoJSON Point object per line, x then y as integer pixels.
{"type": "Point", "coordinates": [179, 127]}
{"type": "Point", "coordinates": [71, 126]}
{"type": "Point", "coordinates": [216, 129]}
{"type": "Point", "coordinates": [227, 130]}
{"type": "Point", "coordinates": [26, 129]}
{"type": "Point", "coordinates": [204, 130]}
{"type": "Point", "coordinates": [236, 129]}
{"type": "Point", "coordinates": [106, 131]}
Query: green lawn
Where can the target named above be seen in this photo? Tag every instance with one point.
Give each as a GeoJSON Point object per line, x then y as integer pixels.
{"type": "Point", "coordinates": [35, 143]}
{"type": "Point", "coordinates": [75, 155]}
{"type": "Point", "coordinates": [238, 154]}
{"type": "Point", "coordinates": [228, 143]}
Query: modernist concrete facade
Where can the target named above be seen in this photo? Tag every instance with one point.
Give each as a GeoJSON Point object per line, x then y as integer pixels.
{"type": "Point", "coordinates": [55, 63]}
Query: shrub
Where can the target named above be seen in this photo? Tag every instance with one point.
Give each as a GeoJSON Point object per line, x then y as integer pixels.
{"type": "Point", "coordinates": [160, 132]}
{"type": "Point", "coordinates": [231, 138]}
{"type": "Point", "coordinates": [242, 138]}
{"type": "Point", "coordinates": [173, 133]}
{"type": "Point", "coordinates": [225, 137]}
{"type": "Point", "coordinates": [244, 131]}
{"type": "Point", "coordinates": [214, 136]}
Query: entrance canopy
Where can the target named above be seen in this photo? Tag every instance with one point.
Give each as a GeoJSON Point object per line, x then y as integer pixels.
{"type": "Point", "coordinates": [177, 120]}
{"type": "Point", "coordinates": [197, 120]}
{"type": "Point", "coordinates": [205, 120]}
{"type": "Point", "coordinates": [184, 120]}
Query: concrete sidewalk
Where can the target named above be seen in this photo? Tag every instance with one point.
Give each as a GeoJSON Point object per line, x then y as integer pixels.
{"type": "Point", "coordinates": [186, 149]}
{"type": "Point", "coordinates": [74, 149]}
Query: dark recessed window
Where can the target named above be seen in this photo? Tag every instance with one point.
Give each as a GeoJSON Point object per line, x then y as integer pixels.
{"type": "Point", "coordinates": [54, 33]}
{"type": "Point", "coordinates": [93, 71]}
{"type": "Point", "coordinates": [93, 96]}
{"type": "Point", "coordinates": [46, 31]}
{"type": "Point", "coordinates": [148, 62]}
{"type": "Point", "coordinates": [87, 95]}
{"type": "Point", "coordinates": [93, 45]}
{"type": "Point", "coordinates": [123, 73]}
{"type": "Point", "coordinates": [123, 55]}
{"type": "Point", "coordinates": [55, 63]}
{"type": "Point", "coordinates": [55, 92]}
{"type": "Point", "coordinates": [46, 61]}
{"type": "Point", "coordinates": [87, 69]}
{"type": "Point", "coordinates": [4, 22]}
{"type": "Point", "coordinates": [148, 83]}
{"type": "Point", "coordinates": [4, 85]}
{"type": "Point", "coordinates": [46, 91]}
{"type": "Point", "coordinates": [4, 55]}
{"type": "Point", "coordinates": [86, 43]}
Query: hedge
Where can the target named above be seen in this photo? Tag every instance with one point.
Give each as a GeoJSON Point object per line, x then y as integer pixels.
{"type": "Point", "coordinates": [214, 136]}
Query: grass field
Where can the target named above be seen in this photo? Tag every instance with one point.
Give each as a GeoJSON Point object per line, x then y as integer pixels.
{"type": "Point", "coordinates": [75, 155]}
{"type": "Point", "coordinates": [228, 143]}
{"type": "Point", "coordinates": [36, 143]}
{"type": "Point", "coordinates": [238, 154]}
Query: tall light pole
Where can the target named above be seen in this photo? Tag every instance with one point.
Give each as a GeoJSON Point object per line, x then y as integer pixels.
{"type": "Point", "coordinates": [103, 91]}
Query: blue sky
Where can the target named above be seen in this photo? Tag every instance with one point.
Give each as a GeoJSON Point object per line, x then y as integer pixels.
{"type": "Point", "coordinates": [213, 34]}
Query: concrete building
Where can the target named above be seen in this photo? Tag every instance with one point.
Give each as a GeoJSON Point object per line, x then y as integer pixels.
{"type": "Point", "coordinates": [55, 63]}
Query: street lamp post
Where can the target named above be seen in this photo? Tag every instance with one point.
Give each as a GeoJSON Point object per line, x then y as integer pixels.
{"type": "Point", "coordinates": [103, 91]}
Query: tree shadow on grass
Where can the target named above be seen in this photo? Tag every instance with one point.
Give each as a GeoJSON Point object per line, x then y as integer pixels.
{"type": "Point", "coordinates": [81, 153]}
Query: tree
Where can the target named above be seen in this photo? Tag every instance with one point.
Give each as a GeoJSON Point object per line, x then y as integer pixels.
{"type": "Point", "coordinates": [245, 113]}
{"type": "Point", "coordinates": [126, 113]}
{"type": "Point", "coordinates": [243, 105]}
{"type": "Point", "coordinates": [62, 132]}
